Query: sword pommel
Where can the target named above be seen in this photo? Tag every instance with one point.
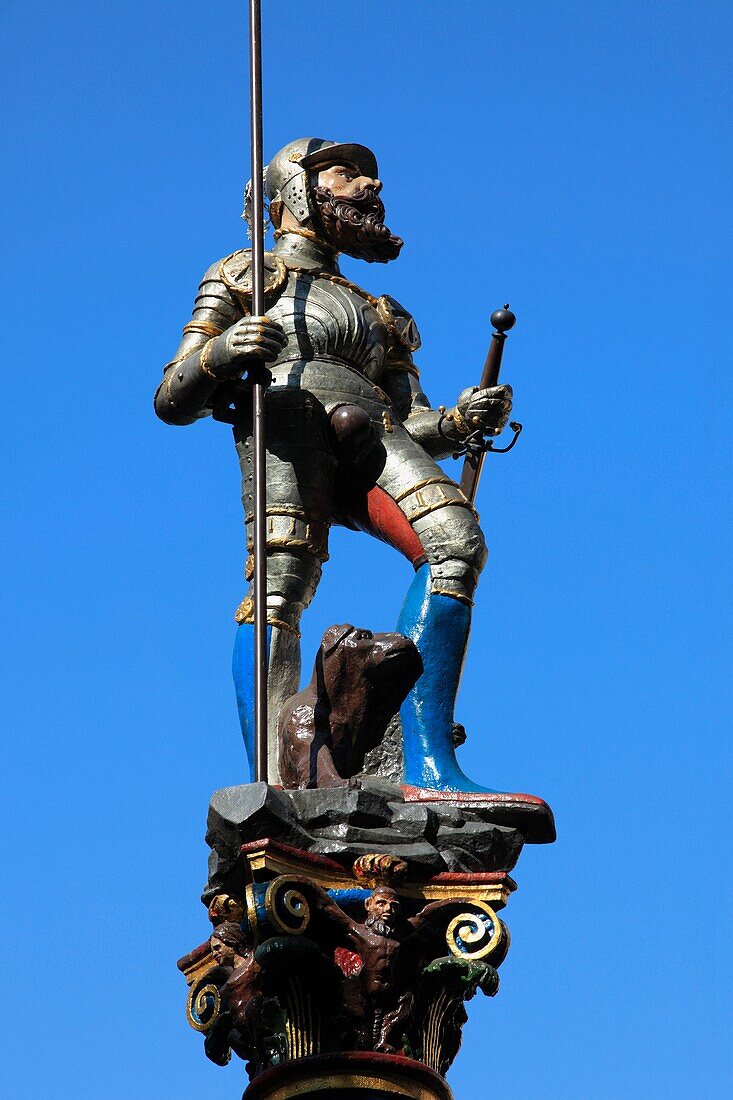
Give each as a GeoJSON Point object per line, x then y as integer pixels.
{"type": "Point", "coordinates": [503, 319]}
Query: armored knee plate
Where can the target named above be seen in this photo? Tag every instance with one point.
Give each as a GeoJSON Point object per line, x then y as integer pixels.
{"type": "Point", "coordinates": [448, 529]}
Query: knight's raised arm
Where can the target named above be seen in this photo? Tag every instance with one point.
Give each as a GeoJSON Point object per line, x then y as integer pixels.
{"type": "Point", "coordinates": [216, 344]}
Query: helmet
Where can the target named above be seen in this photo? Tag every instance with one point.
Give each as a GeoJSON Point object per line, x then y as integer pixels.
{"type": "Point", "coordinates": [286, 176]}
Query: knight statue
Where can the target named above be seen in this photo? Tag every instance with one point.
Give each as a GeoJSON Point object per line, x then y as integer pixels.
{"type": "Point", "coordinates": [351, 439]}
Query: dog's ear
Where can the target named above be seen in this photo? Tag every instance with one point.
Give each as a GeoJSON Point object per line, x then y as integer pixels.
{"type": "Point", "coordinates": [334, 636]}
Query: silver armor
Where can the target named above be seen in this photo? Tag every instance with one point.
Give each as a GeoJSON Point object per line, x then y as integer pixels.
{"type": "Point", "coordinates": [343, 347]}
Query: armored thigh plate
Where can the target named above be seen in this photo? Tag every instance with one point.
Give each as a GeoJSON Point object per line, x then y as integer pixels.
{"type": "Point", "coordinates": [300, 473]}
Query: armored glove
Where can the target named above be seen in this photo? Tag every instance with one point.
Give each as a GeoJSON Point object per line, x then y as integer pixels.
{"type": "Point", "coordinates": [483, 410]}
{"type": "Point", "coordinates": [252, 337]}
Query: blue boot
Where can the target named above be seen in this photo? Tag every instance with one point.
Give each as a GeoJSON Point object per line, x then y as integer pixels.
{"type": "Point", "coordinates": [439, 627]}
{"type": "Point", "coordinates": [243, 671]}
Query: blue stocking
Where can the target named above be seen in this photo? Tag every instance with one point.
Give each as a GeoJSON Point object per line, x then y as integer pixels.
{"type": "Point", "coordinates": [243, 666]}
{"type": "Point", "coordinates": [439, 627]}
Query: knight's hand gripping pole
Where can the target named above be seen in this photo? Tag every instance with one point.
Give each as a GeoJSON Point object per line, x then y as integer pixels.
{"type": "Point", "coordinates": [502, 320]}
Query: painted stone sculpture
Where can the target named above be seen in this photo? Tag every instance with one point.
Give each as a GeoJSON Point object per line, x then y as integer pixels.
{"type": "Point", "coordinates": [358, 683]}
{"type": "Point", "coordinates": [354, 895]}
{"type": "Point", "coordinates": [314, 971]}
{"type": "Point", "coordinates": [351, 438]}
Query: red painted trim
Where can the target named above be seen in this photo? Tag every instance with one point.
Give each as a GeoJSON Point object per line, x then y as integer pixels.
{"type": "Point", "coordinates": [278, 847]}
{"type": "Point", "coordinates": [527, 813]}
{"type": "Point", "coordinates": [193, 956]}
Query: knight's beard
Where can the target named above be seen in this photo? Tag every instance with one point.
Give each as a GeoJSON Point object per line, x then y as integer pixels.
{"type": "Point", "coordinates": [381, 927]}
{"type": "Point", "coordinates": [356, 225]}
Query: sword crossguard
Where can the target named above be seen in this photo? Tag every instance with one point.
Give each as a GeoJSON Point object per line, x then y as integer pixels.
{"type": "Point", "coordinates": [474, 446]}
{"type": "Point", "coordinates": [516, 427]}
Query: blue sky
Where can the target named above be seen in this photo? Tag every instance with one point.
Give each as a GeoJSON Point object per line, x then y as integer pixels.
{"type": "Point", "coordinates": [572, 159]}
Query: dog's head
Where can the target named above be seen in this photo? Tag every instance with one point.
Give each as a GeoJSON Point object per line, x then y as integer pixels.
{"type": "Point", "coordinates": [357, 663]}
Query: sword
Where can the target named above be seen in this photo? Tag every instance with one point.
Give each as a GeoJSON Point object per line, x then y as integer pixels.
{"type": "Point", "coordinates": [502, 320]}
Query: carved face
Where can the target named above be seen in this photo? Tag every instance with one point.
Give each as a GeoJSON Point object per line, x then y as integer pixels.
{"type": "Point", "coordinates": [350, 214]}
{"type": "Point", "coordinates": [227, 943]}
{"type": "Point", "coordinates": [223, 954]}
{"type": "Point", "coordinates": [345, 181]}
{"type": "Point", "coordinates": [383, 911]}
{"type": "Point", "coordinates": [383, 902]}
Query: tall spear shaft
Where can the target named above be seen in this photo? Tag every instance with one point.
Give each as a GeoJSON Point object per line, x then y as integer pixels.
{"type": "Point", "coordinates": [261, 378]}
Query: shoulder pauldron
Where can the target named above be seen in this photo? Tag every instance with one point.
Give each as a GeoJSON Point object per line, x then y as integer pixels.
{"type": "Point", "coordinates": [400, 323]}
{"type": "Point", "coordinates": [236, 272]}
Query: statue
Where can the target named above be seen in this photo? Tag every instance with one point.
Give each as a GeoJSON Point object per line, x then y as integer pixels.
{"type": "Point", "coordinates": [351, 438]}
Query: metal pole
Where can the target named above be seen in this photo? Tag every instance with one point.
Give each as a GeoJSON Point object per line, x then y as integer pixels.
{"type": "Point", "coordinates": [258, 398]}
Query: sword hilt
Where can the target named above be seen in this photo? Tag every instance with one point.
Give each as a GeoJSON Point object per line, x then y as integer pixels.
{"type": "Point", "coordinates": [503, 320]}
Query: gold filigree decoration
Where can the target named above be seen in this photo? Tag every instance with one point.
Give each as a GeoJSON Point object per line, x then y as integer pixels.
{"type": "Point", "coordinates": [223, 907]}
{"type": "Point", "coordinates": [474, 935]}
{"type": "Point", "coordinates": [203, 1006]}
{"type": "Point", "coordinates": [287, 907]}
{"type": "Point", "coordinates": [380, 870]}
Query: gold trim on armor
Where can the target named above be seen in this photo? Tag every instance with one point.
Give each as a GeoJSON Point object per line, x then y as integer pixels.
{"type": "Point", "coordinates": [204, 359]}
{"type": "Point", "coordinates": [453, 595]}
{"type": "Point", "coordinates": [182, 358]}
{"type": "Point", "coordinates": [459, 422]}
{"type": "Point", "coordinates": [286, 542]}
{"type": "Point", "coordinates": [339, 280]}
{"type": "Point", "coordinates": [301, 231]}
{"type": "Point", "coordinates": [167, 382]}
{"type": "Point", "coordinates": [206, 328]}
{"type": "Point", "coordinates": [244, 293]}
{"type": "Point", "coordinates": [459, 500]}
{"type": "Point", "coordinates": [428, 508]}
{"type": "Point", "coordinates": [245, 613]}
{"type": "Point", "coordinates": [297, 513]}
{"type": "Point", "coordinates": [438, 479]}
{"type": "Point", "coordinates": [313, 536]}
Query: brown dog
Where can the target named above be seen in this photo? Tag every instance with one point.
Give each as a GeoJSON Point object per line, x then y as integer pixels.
{"type": "Point", "coordinates": [359, 681]}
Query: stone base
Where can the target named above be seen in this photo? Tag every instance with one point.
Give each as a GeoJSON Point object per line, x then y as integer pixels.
{"type": "Point", "coordinates": [344, 823]}
{"type": "Point", "coordinates": [350, 1076]}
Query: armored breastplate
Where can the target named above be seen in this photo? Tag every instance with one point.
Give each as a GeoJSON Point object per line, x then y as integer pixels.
{"type": "Point", "coordinates": [325, 320]}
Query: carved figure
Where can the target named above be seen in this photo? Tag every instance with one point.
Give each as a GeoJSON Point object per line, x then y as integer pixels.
{"type": "Point", "coordinates": [359, 681]}
{"type": "Point", "coordinates": [238, 979]}
{"type": "Point", "coordinates": [346, 396]}
{"type": "Point", "coordinates": [390, 953]}
{"type": "Point", "coordinates": [376, 994]}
